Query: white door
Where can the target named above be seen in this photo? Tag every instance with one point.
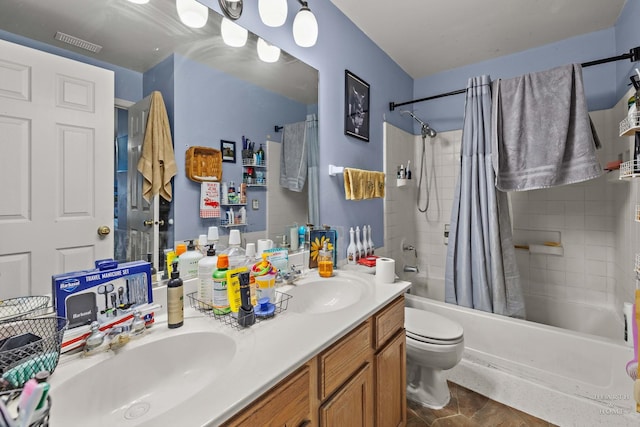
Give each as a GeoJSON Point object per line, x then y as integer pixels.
{"type": "Point", "coordinates": [56, 167]}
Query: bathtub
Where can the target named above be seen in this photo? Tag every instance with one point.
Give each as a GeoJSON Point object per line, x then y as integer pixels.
{"type": "Point", "coordinates": [565, 377]}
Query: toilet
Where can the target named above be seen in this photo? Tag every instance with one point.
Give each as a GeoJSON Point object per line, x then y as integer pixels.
{"type": "Point", "coordinates": [434, 344]}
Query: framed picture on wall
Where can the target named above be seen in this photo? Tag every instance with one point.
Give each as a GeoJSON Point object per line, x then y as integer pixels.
{"type": "Point", "coordinates": [228, 149]}
{"type": "Point", "coordinates": [356, 106]}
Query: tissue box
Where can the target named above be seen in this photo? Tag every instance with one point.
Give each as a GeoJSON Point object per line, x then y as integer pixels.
{"type": "Point", "coordinates": [106, 294]}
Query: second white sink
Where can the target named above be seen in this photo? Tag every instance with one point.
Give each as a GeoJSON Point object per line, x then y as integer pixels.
{"type": "Point", "coordinates": [317, 295]}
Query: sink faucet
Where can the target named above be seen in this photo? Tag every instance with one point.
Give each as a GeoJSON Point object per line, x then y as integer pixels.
{"type": "Point", "coordinates": [289, 277]}
{"type": "Point", "coordinates": [117, 337]}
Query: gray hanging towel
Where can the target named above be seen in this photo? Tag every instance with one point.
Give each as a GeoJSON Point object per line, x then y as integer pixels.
{"type": "Point", "coordinates": [293, 158]}
{"type": "Point", "coordinates": [541, 131]}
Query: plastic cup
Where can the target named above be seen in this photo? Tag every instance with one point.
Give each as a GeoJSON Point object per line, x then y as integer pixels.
{"type": "Point", "coordinates": [266, 287]}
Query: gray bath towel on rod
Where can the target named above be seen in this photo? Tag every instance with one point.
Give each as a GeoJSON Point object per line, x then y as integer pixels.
{"type": "Point", "coordinates": [542, 134]}
{"type": "Point", "coordinates": [293, 158]}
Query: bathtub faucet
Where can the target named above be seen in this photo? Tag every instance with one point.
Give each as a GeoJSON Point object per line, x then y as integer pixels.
{"type": "Point", "coordinates": [410, 269]}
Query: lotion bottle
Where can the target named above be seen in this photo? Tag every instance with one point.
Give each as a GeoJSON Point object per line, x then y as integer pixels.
{"type": "Point", "coordinates": [188, 261]}
{"type": "Point", "coordinates": [352, 249]}
{"type": "Point", "coordinates": [175, 299]}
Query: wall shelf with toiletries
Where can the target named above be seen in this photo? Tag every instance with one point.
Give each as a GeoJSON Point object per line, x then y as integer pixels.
{"type": "Point", "coordinates": [630, 125]}
{"type": "Point", "coordinates": [254, 173]}
{"type": "Point", "coordinates": [630, 169]}
{"type": "Point", "coordinates": [225, 224]}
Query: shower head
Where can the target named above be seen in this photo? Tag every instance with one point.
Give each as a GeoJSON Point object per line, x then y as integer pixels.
{"type": "Point", "coordinates": [425, 129]}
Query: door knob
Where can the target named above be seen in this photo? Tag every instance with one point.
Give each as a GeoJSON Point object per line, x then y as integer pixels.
{"type": "Point", "coordinates": [103, 230]}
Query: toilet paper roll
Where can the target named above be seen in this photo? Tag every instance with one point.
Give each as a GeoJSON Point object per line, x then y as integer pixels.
{"type": "Point", "coordinates": [385, 270]}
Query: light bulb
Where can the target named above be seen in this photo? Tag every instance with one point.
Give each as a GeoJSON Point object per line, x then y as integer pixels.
{"type": "Point", "coordinates": [233, 34]}
{"type": "Point", "coordinates": [192, 13]}
{"type": "Point", "coordinates": [267, 52]}
{"type": "Point", "coordinates": [273, 12]}
{"type": "Point", "coordinates": [305, 28]}
{"type": "Point", "coordinates": [139, 1]}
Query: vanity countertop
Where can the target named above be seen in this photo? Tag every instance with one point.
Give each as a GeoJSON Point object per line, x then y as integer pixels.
{"type": "Point", "coordinates": [264, 354]}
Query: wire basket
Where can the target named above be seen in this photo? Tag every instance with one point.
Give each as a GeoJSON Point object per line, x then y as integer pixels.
{"type": "Point", "coordinates": [28, 346]}
{"type": "Point", "coordinates": [282, 303]}
{"type": "Point", "coordinates": [17, 308]}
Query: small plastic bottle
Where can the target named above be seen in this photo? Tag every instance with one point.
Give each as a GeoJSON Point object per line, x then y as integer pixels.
{"type": "Point", "coordinates": [325, 261]}
{"type": "Point", "coordinates": [359, 243]}
{"type": "Point", "coordinates": [352, 249]}
{"type": "Point", "coordinates": [365, 242]}
{"type": "Point", "coordinates": [175, 299]}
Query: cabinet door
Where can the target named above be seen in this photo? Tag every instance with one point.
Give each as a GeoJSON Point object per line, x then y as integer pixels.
{"type": "Point", "coordinates": [287, 404]}
{"type": "Point", "coordinates": [390, 367]}
{"type": "Point", "coordinates": [352, 405]}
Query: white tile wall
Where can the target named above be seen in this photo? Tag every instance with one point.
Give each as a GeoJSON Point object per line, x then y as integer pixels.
{"type": "Point", "coordinates": [594, 218]}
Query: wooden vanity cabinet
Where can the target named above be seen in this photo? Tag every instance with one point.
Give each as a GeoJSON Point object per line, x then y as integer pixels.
{"type": "Point", "coordinates": [358, 381]}
{"type": "Point", "coordinates": [286, 404]}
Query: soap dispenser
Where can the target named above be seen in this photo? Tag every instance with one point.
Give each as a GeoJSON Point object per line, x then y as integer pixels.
{"type": "Point", "coordinates": [175, 299]}
{"type": "Point", "coordinates": [188, 261]}
{"type": "Point", "coordinates": [206, 267]}
{"type": "Point", "coordinates": [325, 261]}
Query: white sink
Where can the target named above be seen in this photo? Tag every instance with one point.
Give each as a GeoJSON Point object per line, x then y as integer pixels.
{"type": "Point", "coordinates": [318, 295]}
{"type": "Point", "coordinates": [139, 383]}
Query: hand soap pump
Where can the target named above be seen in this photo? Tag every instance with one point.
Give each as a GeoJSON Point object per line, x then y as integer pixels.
{"type": "Point", "coordinates": [175, 299]}
{"type": "Point", "coordinates": [325, 261]}
{"type": "Point", "coordinates": [188, 261]}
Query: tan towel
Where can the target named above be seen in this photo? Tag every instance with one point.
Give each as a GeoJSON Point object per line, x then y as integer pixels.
{"type": "Point", "coordinates": [363, 184]}
{"type": "Point", "coordinates": [157, 163]}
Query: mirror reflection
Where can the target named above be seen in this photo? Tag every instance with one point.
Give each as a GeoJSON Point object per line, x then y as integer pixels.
{"type": "Point", "coordinates": [212, 92]}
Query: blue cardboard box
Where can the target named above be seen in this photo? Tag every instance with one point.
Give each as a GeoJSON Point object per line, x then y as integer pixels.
{"type": "Point", "coordinates": [104, 294]}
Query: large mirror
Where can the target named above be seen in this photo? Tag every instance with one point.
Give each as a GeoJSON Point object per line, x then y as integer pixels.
{"type": "Point", "coordinates": [212, 92]}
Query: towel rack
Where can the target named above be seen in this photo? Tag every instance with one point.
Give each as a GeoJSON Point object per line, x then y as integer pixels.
{"type": "Point", "coordinates": [334, 170]}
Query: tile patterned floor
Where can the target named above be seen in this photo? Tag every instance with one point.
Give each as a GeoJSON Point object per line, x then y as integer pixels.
{"type": "Point", "coordinates": [470, 409]}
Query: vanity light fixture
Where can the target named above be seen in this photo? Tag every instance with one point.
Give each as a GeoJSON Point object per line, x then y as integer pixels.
{"type": "Point", "coordinates": [267, 52]}
{"type": "Point", "coordinates": [139, 1]}
{"type": "Point", "coordinates": [192, 13]}
{"type": "Point", "coordinates": [305, 26]}
{"type": "Point", "coordinates": [233, 34]}
{"type": "Point", "coordinates": [273, 12]}
{"type": "Point", "coordinates": [232, 9]}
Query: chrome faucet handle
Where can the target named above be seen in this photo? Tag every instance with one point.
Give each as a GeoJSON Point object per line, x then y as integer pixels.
{"type": "Point", "coordinates": [95, 338]}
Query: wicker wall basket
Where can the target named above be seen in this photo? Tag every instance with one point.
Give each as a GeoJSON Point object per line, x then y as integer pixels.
{"type": "Point", "coordinates": [203, 164]}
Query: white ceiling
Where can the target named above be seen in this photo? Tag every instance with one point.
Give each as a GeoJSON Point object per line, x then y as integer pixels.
{"type": "Point", "coordinates": [429, 36]}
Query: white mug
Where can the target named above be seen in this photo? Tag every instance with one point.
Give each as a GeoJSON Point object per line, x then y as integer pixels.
{"type": "Point", "coordinates": [263, 245]}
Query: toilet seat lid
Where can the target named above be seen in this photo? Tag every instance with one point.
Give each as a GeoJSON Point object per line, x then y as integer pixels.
{"type": "Point", "coordinates": [431, 326]}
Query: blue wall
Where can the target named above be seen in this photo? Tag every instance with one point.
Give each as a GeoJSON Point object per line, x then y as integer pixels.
{"type": "Point", "coordinates": [341, 45]}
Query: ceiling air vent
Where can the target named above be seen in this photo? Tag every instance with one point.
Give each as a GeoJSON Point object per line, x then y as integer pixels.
{"type": "Point", "coordinates": [74, 41]}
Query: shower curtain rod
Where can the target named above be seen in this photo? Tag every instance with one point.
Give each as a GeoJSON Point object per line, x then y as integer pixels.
{"type": "Point", "coordinates": [633, 56]}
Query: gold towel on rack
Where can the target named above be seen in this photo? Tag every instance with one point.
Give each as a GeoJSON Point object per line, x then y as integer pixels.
{"type": "Point", "coordinates": [363, 184]}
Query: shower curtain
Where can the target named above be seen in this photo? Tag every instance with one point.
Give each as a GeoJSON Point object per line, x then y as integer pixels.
{"type": "Point", "coordinates": [481, 270]}
{"type": "Point", "coordinates": [311, 136]}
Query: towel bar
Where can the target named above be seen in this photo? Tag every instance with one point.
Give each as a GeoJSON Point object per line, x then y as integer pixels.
{"type": "Point", "coordinates": [334, 170]}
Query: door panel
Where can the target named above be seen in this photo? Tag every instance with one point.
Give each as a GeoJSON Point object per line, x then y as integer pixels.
{"type": "Point", "coordinates": [56, 165]}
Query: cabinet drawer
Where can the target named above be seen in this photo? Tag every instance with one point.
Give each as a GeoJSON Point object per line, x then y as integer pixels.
{"type": "Point", "coordinates": [343, 359]}
{"type": "Point", "coordinates": [388, 322]}
{"type": "Point", "coordinates": [287, 404]}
